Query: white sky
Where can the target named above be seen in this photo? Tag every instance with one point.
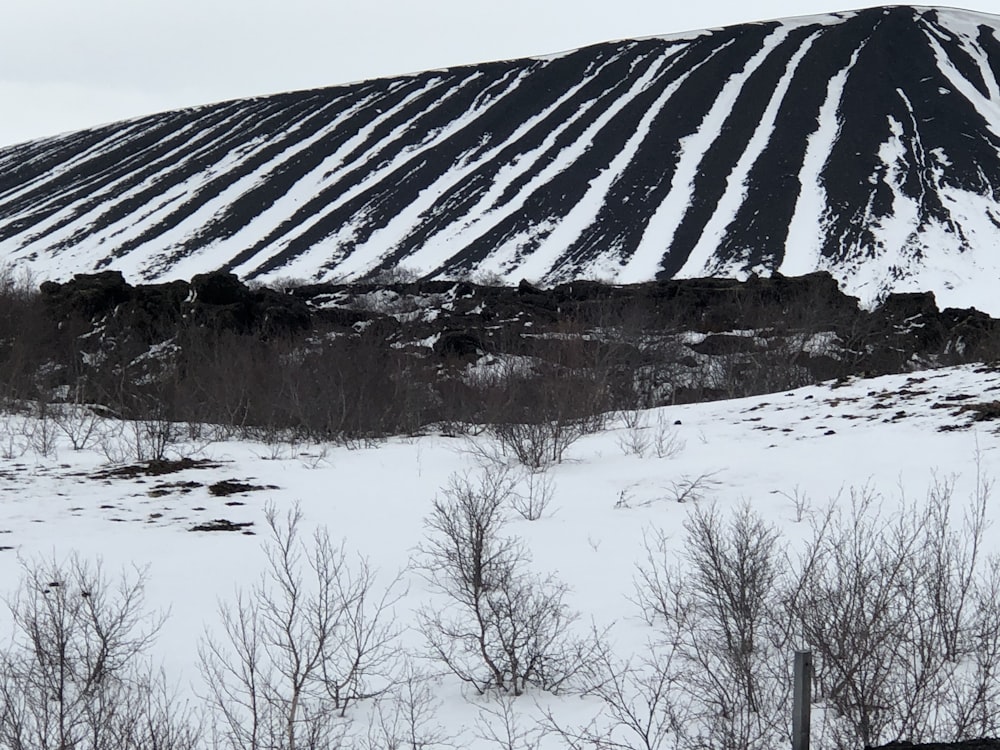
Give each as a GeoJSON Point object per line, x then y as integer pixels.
{"type": "Point", "coordinates": [69, 64]}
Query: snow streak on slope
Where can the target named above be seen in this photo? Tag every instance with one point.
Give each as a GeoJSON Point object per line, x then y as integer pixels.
{"type": "Point", "coordinates": [802, 251]}
{"type": "Point", "coordinates": [701, 261]}
{"type": "Point", "coordinates": [864, 143]}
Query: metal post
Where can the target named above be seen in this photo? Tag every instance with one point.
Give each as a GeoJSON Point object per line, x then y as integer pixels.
{"type": "Point", "coordinates": [801, 699]}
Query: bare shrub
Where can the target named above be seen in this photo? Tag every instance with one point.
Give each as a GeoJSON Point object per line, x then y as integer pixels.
{"type": "Point", "coordinates": [149, 439]}
{"type": "Point", "coordinates": [501, 727]}
{"type": "Point", "coordinates": [75, 674]}
{"type": "Point", "coordinates": [533, 495]}
{"type": "Point", "coordinates": [78, 422]}
{"type": "Point", "coordinates": [636, 439]}
{"type": "Point", "coordinates": [538, 444]}
{"type": "Point", "coordinates": [640, 437]}
{"type": "Point", "coordinates": [405, 717]}
{"type": "Point", "coordinates": [14, 440]}
{"type": "Point", "coordinates": [501, 627]}
{"type": "Point", "coordinates": [723, 646]}
{"type": "Point", "coordinates": [667, 442]}
{"type": "Point", "coordinates": [900, 617]}
{"type": "Point", "coordinates": [537, 408]}
{"type": "Point", "coordinates": [689, 489]}
{"type": "Point", "coordinates": [41, 429]}
{"type": "Point", "coordinates": [314, 636]}
{"type": "Point", "coordinates": [800, 502]}
{"type": "Point", "coordinates": [641, 704]}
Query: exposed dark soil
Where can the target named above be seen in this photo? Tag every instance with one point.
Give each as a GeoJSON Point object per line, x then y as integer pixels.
{"type": "Point", "coordinates": [223, 524]}
{"type": "Point", "coordinates": [986, 412]}
{"type": "Point", "coordinates": [233, 487]}
{"type": "Point", "coordinates": [154, 468]}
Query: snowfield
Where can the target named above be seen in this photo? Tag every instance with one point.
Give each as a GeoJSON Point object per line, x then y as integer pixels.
{"type": "Point", "coordinates": [896, 435]}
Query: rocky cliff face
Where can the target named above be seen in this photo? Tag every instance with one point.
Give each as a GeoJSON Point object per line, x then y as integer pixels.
{"type": "Point", "coordinates": [864, 143]}
{"type": "Point", "coordinates": [685, 339]}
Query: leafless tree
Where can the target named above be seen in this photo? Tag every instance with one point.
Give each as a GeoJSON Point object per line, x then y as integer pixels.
{"type": "Point", "coordinates": [899, 613]}
{"type": "Point", "coordinates": [406, 717]}
{"type": "Point", "coordinates": [718, 605]}
{"type": "Point", "coordinates": [501, 626]}
{"type": "Point", "coordinates": [314, 636]}
{"type": "Point", "coordinates": [75, 674]}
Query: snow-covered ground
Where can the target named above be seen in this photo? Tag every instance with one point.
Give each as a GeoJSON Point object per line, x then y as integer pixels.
{"type": "Point", "coordinates": [893, 433]}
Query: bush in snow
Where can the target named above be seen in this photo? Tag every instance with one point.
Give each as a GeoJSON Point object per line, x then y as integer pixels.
{"type": "Point", "coordinates": [500, 626]}
{"type": "Point", "coordinates": [75, 674]}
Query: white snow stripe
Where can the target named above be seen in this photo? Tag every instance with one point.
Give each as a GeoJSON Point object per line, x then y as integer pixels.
{"type": "Point", "coordinates": [477, 219]}
{"type": "Point", "coordinates": [486, 214]}
{"type": "Point", "coordinates": [989, 109]}
{"type": "Point", "coordinates": [703, 260]}
{"type": "Point", "coordinates": [334, 168]}
{"type": "Point", "coordinates": [544, 262]}
{"type": "Point", "coordinates": [803, 246]}
{"type": "Point", "coordinates": [662, 226]}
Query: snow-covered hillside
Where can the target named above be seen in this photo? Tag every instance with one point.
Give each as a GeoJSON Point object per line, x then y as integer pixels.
{"type": "Point", "coordinates": [785, 455]}
{"type": "Point", "coordinates": [861, 142]}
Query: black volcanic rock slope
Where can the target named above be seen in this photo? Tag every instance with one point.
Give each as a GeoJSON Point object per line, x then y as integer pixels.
{"type": "Point", "coordinates": [865, 143]}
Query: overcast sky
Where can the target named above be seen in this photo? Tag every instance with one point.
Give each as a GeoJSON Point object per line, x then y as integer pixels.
{"type": "Point", "coordinates": [69, 64]}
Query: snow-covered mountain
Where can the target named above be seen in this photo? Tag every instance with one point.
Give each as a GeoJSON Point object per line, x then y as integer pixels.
{"type": "Point", "coordinates": [866, 143]}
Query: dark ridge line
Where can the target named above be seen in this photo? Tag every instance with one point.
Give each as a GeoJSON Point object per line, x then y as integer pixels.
{"type": "Point", "coordinates": [208, 149]}
{"type": "Point", "coordinates": [608, 141]}
{"type": "Point", "coordinates": [378, 204]}
{"type": "Point", "coordinates": [92, 175]}
{"type": "Point", "coordinates": [352, 176]}
{"type": "Point", "coordinates": [280, 179]}
{"type": "Point", "coordinates": [648, 158]}
{"type": "Point", "coordinates": [719, 161]}
{"type": "Point", "coordinates": [773, 184]}
{"type": "Point", "coordinates": [568, 187]}
{"type": "Point", "coordinates": [644, 181]}
{"type": "Point", "coordinates": [298, 122]}
{"type": "Point", "coordinates": [854, 158]}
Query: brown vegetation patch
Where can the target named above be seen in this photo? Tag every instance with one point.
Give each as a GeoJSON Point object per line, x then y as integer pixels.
{"type": "Point", "coordinates": [224, 524]}
{"type": "Point", "coordinates": [232, 487]}
{"type": "Point", "coordinates": [984, 412]}
{"type": "Point", "coordinates": [154, 468]}
{"type": "Point", "coordinates": [166, 488]}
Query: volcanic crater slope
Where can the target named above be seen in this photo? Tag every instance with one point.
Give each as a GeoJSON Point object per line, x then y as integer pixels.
{"type": "Point", "coordinates": [864, 143]}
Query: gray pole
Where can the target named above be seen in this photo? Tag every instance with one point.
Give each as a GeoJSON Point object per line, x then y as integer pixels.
{"type": "Point", "coordinates": [801, 699]}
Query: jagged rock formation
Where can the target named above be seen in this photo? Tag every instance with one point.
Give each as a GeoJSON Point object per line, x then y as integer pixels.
{"type": "Point", "coordinates": [864, 143]}
{"type": "Point", "coordinates": [806, 323]}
